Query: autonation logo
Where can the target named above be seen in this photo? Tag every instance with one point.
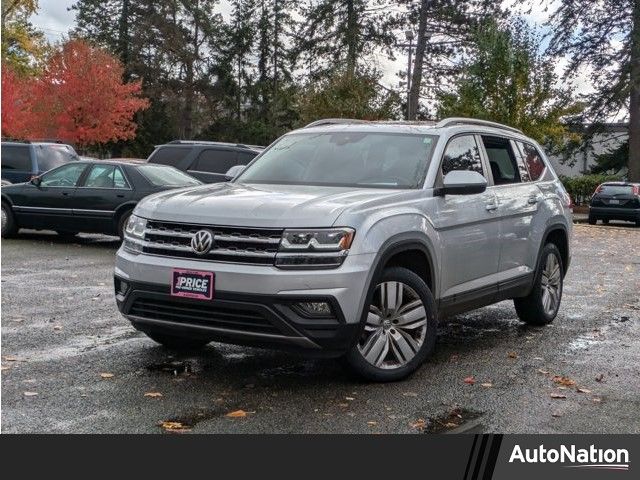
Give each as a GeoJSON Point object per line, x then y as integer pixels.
{"type": "Point", "coordinates": [592, 457]}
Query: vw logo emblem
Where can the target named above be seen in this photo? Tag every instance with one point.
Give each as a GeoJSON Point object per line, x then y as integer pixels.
{"type": "Point", "coordinates": [202, 242]}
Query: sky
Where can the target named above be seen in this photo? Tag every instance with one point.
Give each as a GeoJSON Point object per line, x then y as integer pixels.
{"type": "Point", "coordinates": [55, 20]}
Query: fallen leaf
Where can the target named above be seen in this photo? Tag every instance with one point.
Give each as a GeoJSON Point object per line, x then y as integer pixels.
{"type": "Point", "coordinates": [57, 327]}
{"type": "Point", "coordinates": [372, 424]}
{"type": "Point", "coordinates": [153, 394]}
{"type": "Point", "coordinates": [600, 378]}
{"type": "Point", "coordinates": [343, 405]}
{"type": "Point", "coordinates": [107, 375]}
{"type": "Point", "coordinates": [596, 400]}
{"type": "Point", "coordinates": [351, 399]}
{"type": "Point", "coordinates": [454, 358]}
{"type": "Point", "coordinates": [544, 372]}
{"type": "Point", "coordinates": [566, 381]}
{"type": "Point", "coordinates": [582, 390]}
{"type": "Point", "coordinates": [486, 385]}
{"type": "Point", "coordinates": [450, 425]}
{"type": "Point", "coordinates": [512, 355]}
{"type": "Point", "coordinates": [5, 368]}
{"type": "Point", "coordinates": [556, 414]}
{"type": "Point", "coordinates": [8, 358]}
{"type": "Point", "coordinates": [237, 414]}
{"type": "Point", "coordinates": [470, 380]}
{"type": "Point", "coordinates": [419, 424]}
{"type": "Point", "coordinates": [175, 426]}
{"type": "Point", "coordinates": [409, 394]}
{"type": "Point", "coordinates": [559, 396]}
{"type": "Point", "coordinates": [30, 394]}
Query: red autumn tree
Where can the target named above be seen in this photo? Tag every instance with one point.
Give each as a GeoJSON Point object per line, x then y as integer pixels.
{"type": "Point", "coordinates": [15, 103]}
{"type": "Point", "coordinates": [80, 97]}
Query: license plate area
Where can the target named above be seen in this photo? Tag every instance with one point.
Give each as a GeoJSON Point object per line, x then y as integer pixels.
{"type": "Point", "coordinates": [614, 202]}
{"type": "Point", "coordinates": [192, 284]}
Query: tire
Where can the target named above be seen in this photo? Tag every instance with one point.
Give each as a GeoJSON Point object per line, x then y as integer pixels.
{"type": "Point", "coordinates": [176, 343]}
{"type": "Point", "coordinates": [122, 223]}
{"type": "Point", "coordinates": [592, 220]}
{"type": "Point", "coordinates": [9, 226]}
{"type": "Point", "coordinates": [538, 308]}
{"type": "Point", "coordinates": [386, 351]}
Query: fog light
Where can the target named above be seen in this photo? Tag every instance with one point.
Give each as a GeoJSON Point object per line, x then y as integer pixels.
{"type": "Point", "coordinates": [121, 286]}
{"type": "Point", "coordinates": [315, 309]}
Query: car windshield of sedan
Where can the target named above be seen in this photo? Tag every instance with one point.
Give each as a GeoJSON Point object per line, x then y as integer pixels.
{"type": "Point", "coordinates": [353, 159]}
{"type": "Point", "coordinates": [164, 176]}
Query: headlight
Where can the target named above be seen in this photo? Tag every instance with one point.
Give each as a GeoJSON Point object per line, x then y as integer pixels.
{"type": "Point", "coordinates": [135, 227]}
{"type": "Point", "coordinates": [133, 232]}
{"type": "Point", "coordinates": [326, 240]}
{"type": "Point", "coordinates": [314, 248]}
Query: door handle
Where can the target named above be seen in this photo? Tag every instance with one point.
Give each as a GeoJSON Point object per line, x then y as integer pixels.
{"type": "Point", "coordinates": [533, 199]}
{"type": "Point", "coordinates": [491, 207]}
{"type": "Point", "coordinates": [119, 195]}
{"type": "Point", "coordinates": [66, 194]}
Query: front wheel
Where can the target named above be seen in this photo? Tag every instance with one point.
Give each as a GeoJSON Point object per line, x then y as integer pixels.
{"type": "Point", "coordinates": [122, 223]}
{"type": "Point", "coordinates": [9, 226]}
{"type": "Point", "coordinates": [541, 306]}
{"type": "Point", "coordinates": [176, 343]}
{"type": "Point", "coordinates": [399, 329]}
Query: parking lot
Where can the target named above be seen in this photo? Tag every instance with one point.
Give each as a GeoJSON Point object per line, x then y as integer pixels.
{"type": "Point", "coordinates": [71, 363]}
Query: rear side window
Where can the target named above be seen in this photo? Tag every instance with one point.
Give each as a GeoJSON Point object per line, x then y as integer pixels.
{"type": "Point", "coordinates": [169, 155]}
{"type": "Point", "coordinates": [245, 157]}
{"type": "Point", "coordinates": [533, 160]}
{"type": "Point", "coordinates": [215, 161]}
{"type": "Point", "coordinates": [52, 156]}
{"type": "Point", "coordinates": [16, 157]}
{"type": "Point", "coordinates": [164, 176]}
{"type": "Point", "coordinates": [105, 176]}
{"type": "Point", "coordinates": [462, 153]}
{"type": "Point", "coordinates": [502, 160]}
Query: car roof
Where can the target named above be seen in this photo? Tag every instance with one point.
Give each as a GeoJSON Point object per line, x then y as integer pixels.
{"type": "Point", "coordinates": [18, 142]}
{"type": "Point", "coordinates": [449, 126]}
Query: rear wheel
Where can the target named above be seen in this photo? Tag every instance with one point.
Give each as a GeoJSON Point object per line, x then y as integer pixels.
{"type": "Point", "coordinates": [541, 306]}
{"type": "Point", "coordinates": [9, 226]}
{"type": "Point", "coordinates": [176, 343]}
{"type": "Point", "coordinates": [592, 220]}
{"type": "Point", "coordinates": [400, 328]}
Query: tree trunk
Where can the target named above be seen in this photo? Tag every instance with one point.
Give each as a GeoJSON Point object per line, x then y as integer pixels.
{"type": "Point", "coordinates": [352, 38]}
{"type": "Point", "coordinates": [123, 40]}
{"type": "Point", "coordinates": [421, 48]}
{"type": "Point", "coordinates": [634, 103]}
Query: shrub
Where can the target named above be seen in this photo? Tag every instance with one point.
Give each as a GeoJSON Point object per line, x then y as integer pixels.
{"type": "Point", "coordinates": [581, 188]}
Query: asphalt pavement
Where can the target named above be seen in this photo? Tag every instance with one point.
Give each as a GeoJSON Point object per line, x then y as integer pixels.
{"type": "Point", "coordinates": [71, 363]}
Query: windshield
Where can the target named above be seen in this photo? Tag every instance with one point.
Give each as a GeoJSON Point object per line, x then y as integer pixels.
{"type": "Point", "coordinates": [51, 156]}
{"type": "Point", "coordinates": [616, 189]}
{"type": "Point", "coordinates": [354, 159]}
{"type": "Point", "coordinates": [164, 176]}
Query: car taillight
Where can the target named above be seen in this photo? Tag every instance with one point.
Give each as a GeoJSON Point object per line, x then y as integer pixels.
{"type": "Point", "coordinates": [636, 189]}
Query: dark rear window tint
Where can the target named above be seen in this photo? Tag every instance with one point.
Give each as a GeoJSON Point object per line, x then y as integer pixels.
{"type": "Point", "coordinates": [169, 155]}
{"type": "Point", "coordinates": [533, 160]}
{"type": "Point", "coordinates": [215, 161]}
{"type": "Point", "coordinates": [616, 189]}
{"type": "Point", "coordinates": [52, 156]}
{"type": "Point", "coordinates": [16, 157]}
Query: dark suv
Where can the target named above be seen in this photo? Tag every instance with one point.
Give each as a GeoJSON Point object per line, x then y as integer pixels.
{"type": "Point", "coordinates": [21, 161]}
{"type": "Point", "coordinates": [615, 201]}
{"type": "Point", "coordinates": [207, 161]}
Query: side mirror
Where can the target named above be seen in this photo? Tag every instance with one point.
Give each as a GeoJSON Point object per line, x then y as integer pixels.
{"type": "Point", "coordinates": [36, 181]}
{"type": "Point", "coordinates": [234, 171]}
{"type": "Point", "coordinates": [463, 182]}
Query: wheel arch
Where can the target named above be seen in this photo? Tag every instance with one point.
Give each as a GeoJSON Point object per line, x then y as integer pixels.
{"type": "Point", "coordinates": [557, 234]}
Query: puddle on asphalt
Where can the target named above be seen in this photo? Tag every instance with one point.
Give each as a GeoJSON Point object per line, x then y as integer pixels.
{"type": "Point", "coordinates": [457, 420]}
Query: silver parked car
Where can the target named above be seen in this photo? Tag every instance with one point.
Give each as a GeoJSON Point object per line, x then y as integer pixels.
{"type": "Point", "coordinates": [351, 239]}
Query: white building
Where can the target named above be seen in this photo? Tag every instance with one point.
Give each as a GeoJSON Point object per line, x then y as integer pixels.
{"type": "Point", "coordinates": [613, 135]}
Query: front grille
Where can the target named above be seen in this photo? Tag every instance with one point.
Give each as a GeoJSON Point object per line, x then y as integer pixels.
{"type": "Point", "coordinates": [231, 244]}
{"type": "Point", "coordinates": [204, 314]}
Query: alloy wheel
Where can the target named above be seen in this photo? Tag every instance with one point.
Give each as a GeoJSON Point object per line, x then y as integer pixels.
{"type": "Point", "coordinates": [395, 328]}
{"type": "Point", "coordinates": [5, 218]}
{"type": "Point", "coordinates": [551, 284]}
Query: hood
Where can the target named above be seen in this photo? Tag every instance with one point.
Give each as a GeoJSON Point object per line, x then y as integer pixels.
{"type": "Point", "coordinates": [257, 205]}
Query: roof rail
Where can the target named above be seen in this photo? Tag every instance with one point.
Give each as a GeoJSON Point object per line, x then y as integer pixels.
{"type": "Point", "coordinates": [334, 121]}
{"type": "Point", "coordinates": [208, 142]}
{"type": "Point", "coordinates": [447, 122]}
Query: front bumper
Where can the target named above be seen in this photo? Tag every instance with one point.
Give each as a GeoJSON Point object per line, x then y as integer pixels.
{"type": "Point", "coordinates": [252, 305]}
{"type": "Point", "coordinates": [615, 213]}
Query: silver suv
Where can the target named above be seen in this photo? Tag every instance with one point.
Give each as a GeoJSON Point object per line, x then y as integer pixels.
{"type": "Point", "coordinates": [351, 239]}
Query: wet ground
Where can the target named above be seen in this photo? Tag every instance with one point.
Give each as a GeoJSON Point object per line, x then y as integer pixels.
{"type": "Point", "coordinates": [70, 363]}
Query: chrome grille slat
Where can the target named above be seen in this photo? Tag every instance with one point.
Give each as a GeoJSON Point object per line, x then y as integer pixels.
{"type": "Point", "coordinates": [231, 244]}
